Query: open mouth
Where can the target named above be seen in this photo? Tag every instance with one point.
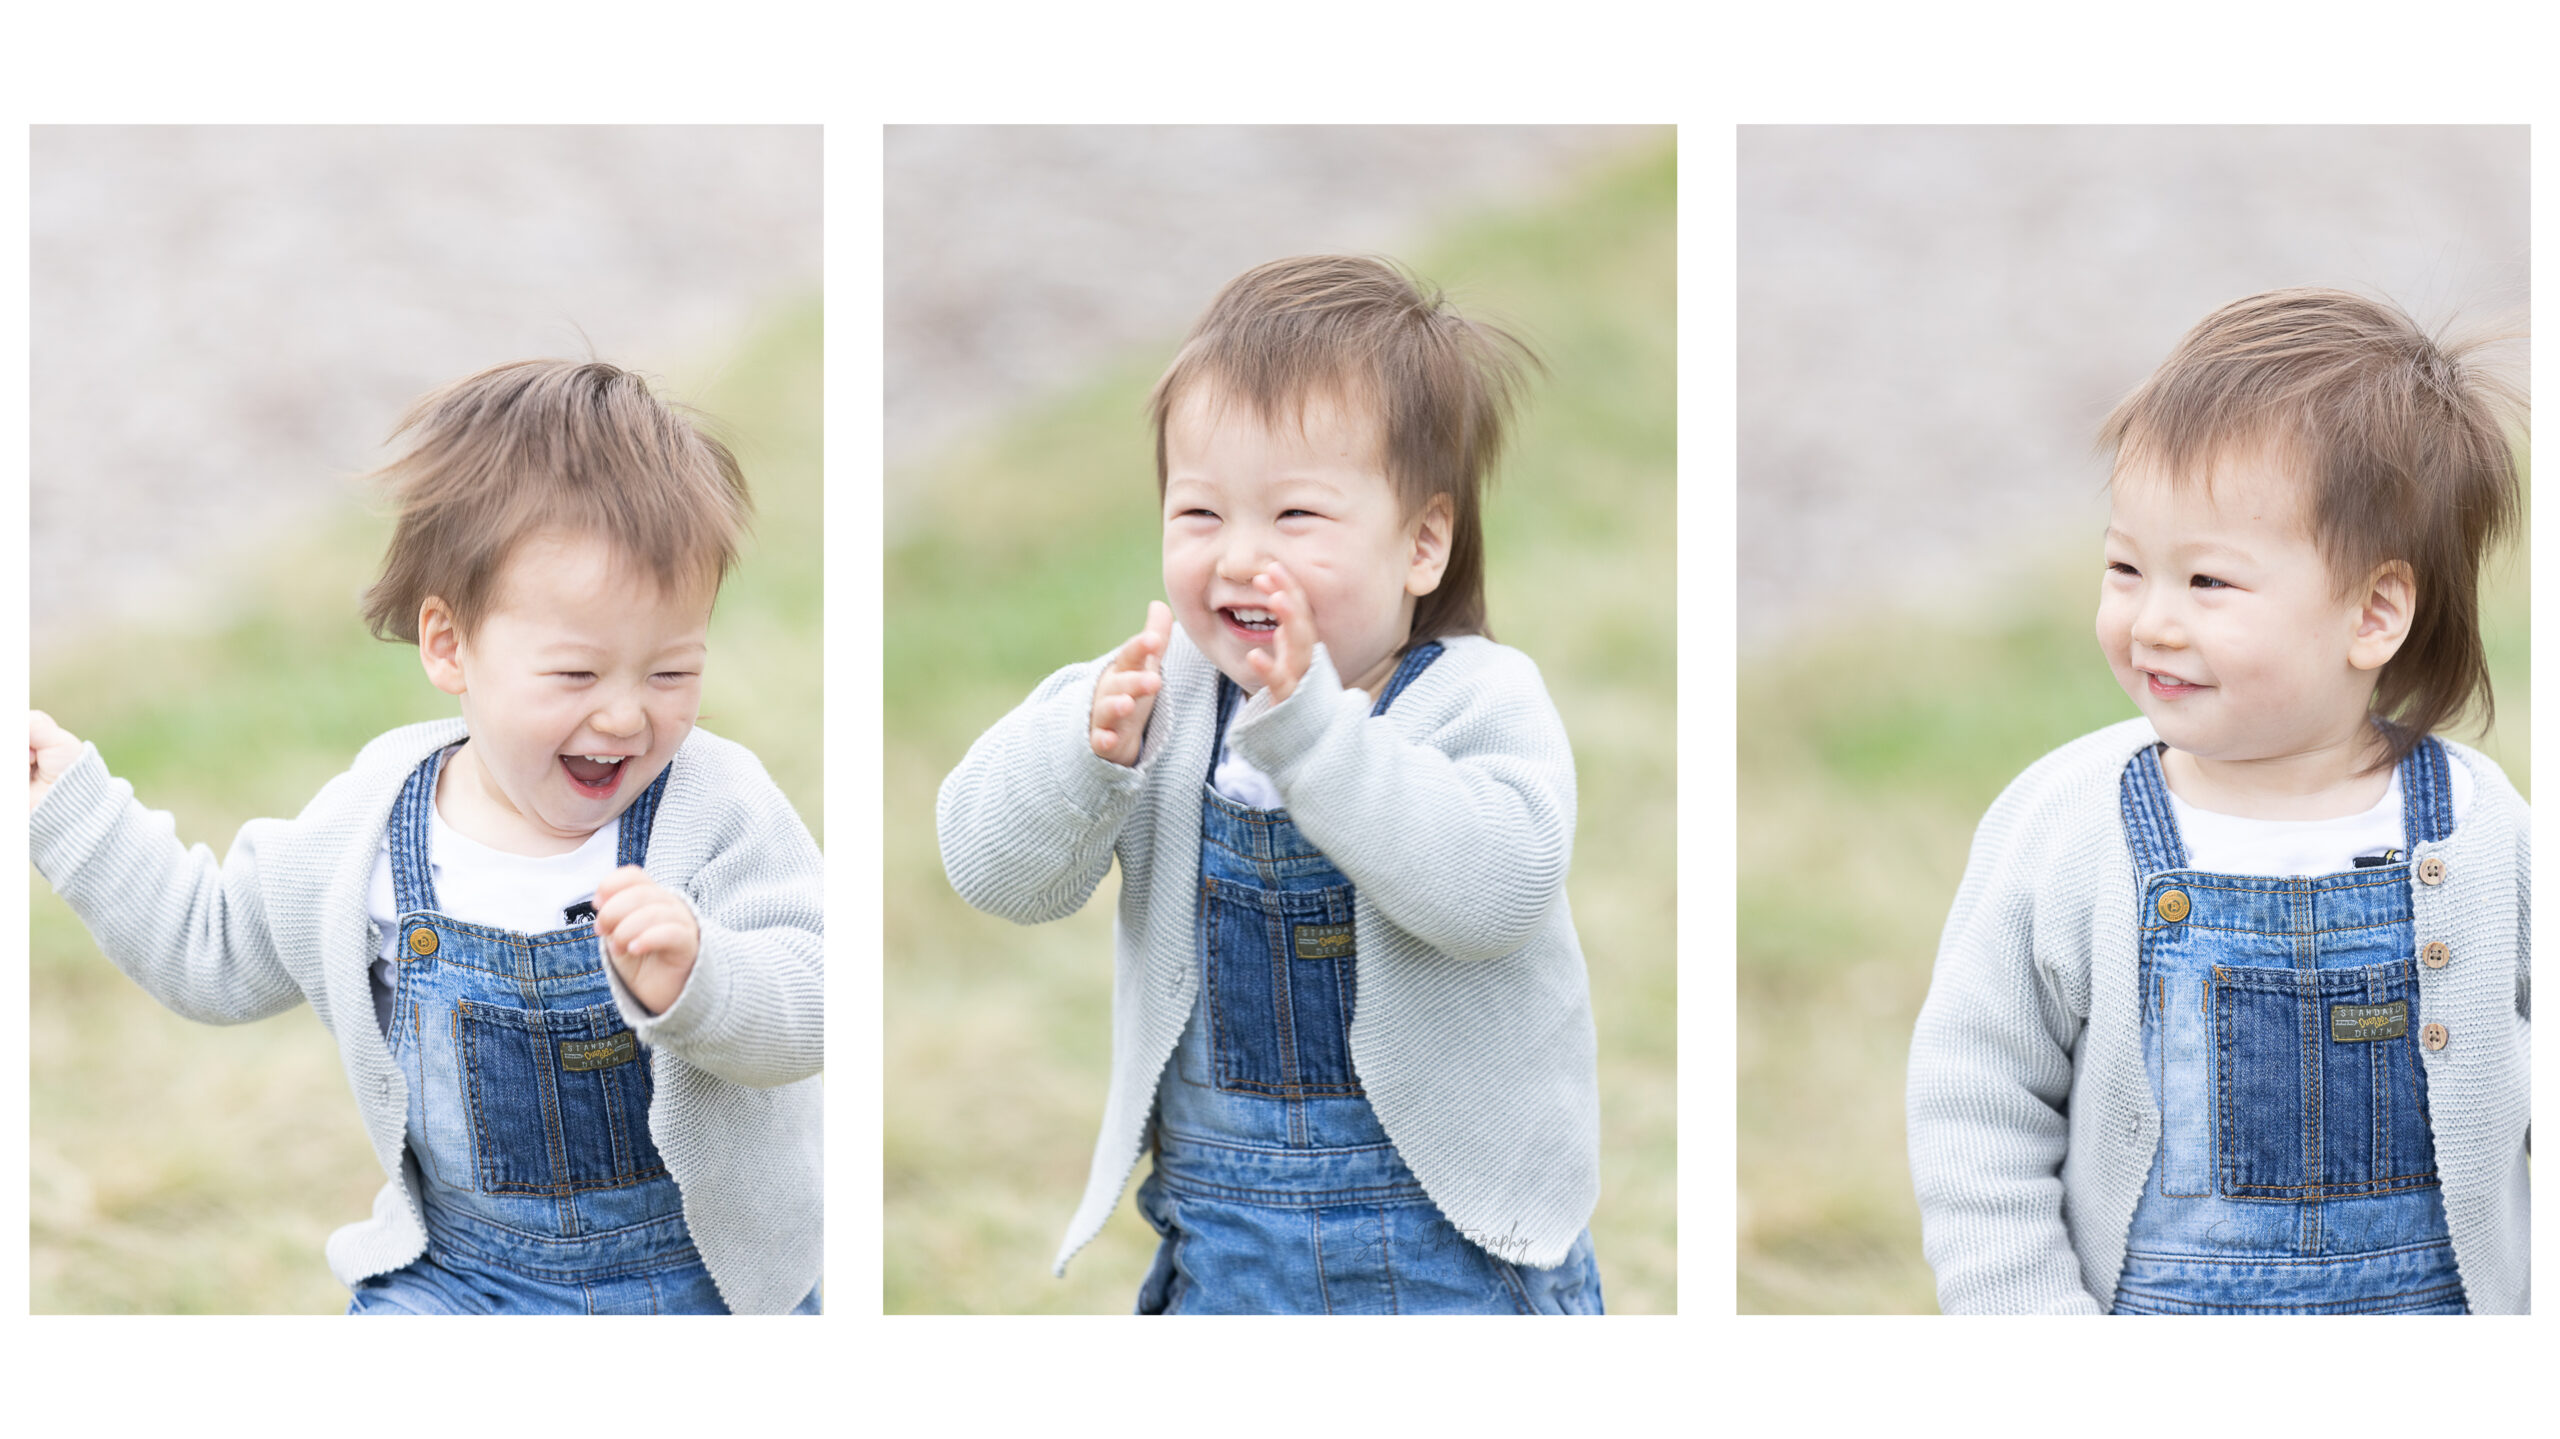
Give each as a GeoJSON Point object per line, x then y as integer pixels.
{"type": "Point", "coordinates": [593, 775]}
{"type": "Point", "coordinates": [1249, 620]}
{"type": "Point", "coordinates": [2170, 686]}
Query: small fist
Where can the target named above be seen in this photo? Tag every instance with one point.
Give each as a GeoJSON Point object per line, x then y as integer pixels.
{"type": "Point", "coordinates": [1126, 693]}
{"type": "Point", "coordinates": [50, 751]}
{"type": "Point", "coordinates": [649, 936]}
{"type": "Point", "coordinates": [1283, 662]}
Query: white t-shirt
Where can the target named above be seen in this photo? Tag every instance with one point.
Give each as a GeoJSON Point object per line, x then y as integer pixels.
{"type": "Point", "coordinates": [530, 894]}
{"type": "Point", "coordinates": [1235, 777]}
{"type": "Point", "coordinates": [2231, 844]}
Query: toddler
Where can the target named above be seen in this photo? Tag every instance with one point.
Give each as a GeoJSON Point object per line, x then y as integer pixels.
{"type": "Point", "coordinates": [2231, 1013]}
{"type": "Point", "coordinates": [1351, 1022]}
{"type": "Point", "coordinates": [568, 944]}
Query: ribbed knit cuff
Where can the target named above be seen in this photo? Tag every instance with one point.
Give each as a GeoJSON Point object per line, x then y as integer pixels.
{"type": "Point", "coordinates": [67, 826]}
{"type": "Point", "coordinates": [697, 1004]}
{"type": "Point", "coordinates": [1275, 735]}
{"type": "Point", "coordinates": [1096, 788]}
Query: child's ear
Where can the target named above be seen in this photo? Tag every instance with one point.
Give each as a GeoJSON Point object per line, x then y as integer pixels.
{"type": "Point", "coordinates": [440, 646]}
{"type": "Point", "coordinates": [2390, 603]}
{"type": "Point", "coordinates": [1431, 546]}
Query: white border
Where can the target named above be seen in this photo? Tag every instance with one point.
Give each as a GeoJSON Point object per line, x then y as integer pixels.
{"type": "Point", "coordinates": [853, 68]}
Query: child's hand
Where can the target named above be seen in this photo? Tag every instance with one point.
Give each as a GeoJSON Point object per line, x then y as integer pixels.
{"type": "Point", "coordinates": [1126, 693]}
{"type": "Point", "coordinates": [649, 936]}
{"type": "Point", "coordinates": [1284, 661]}
{"type": "Point", "coordinates": [50, 751]}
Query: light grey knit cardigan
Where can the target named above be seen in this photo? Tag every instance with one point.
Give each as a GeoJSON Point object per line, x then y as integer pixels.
{"type": "Point", "coordinates": [1452, 816]}
{"type": "Point", "coordinates": [2032, 1125]}
{"type": "Point", "coordinates": [282, 920]}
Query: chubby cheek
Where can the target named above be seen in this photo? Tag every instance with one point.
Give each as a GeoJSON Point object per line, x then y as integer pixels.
{"type": "Point", "coordinates": [2115, 635]}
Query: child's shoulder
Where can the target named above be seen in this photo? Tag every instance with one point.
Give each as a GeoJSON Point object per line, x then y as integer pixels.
{"type": "Point", "coordinates": [720, 784]}
{"type": "Point", "coordinates": [2487, 778]}
{"type": "Point", "coordinates": [1474, 668]}
{"type": "Point", "coordinates": [386, 760]}
{"type": "Point", "coordinates": [2071, 782]}
{"type": "Point", "coordinates": [711, 770]}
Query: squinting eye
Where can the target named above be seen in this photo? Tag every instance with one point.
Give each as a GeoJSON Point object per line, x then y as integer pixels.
{"type": "Point", "coordinates": [2119, 567]}
{"type": "Point", "coordinates": [675, 675]}
{"type": "Point", "coordinates": [2208, 582]}
{"type": "Point", "coordinates": [580, 675]}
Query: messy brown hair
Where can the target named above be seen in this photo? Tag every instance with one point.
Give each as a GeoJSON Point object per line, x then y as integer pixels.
{"type": "Point", "coordinates": [1362, 331]}
{"type": "Point", "coordinates": [539, 445]}
{"type": "Point", "coordinates": [2401, 440]}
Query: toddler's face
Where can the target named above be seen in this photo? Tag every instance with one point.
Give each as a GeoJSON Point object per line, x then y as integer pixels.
{"type": "Point", "coordinates": [578, 684]}
{"type": "Point", "coordinates": [2220, 617]}
{"type": "Point", "coordinates": [1314, 496]}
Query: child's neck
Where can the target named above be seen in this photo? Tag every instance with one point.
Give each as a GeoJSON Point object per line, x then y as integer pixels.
{"type": "Point", "coordinates": [2326, 782]}
{"type": "Point", "coordinates": [472, 805]}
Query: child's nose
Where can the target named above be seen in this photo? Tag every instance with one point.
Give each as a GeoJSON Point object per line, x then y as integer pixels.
{"type": "Point", "coordinates": [1244, 555]}
{"type": "Point", "coordinates": [619, 719]}
{"type": "Point", "coordinates": [2156, 626]}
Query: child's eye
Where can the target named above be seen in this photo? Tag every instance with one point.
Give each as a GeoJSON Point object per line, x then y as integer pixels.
{"type": "Point", "coordinates": [2119, 567]}
{"type": "Point", "coordinates": [674, 676]}
{"type": "Point", "coordinates": [575, 676]}
{"type": "Point", "coordinates": [2207, 582]}
{"type": "Point", "coordinates": [1298, 514]}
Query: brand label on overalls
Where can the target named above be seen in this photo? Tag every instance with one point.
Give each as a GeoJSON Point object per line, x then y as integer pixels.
{"type": "Point", "coordinates": [616, 1048]}
{"type": "Point", "coordinates": [1323, 941]}
{"type": "Point", "coordinates": [2349, 1023]}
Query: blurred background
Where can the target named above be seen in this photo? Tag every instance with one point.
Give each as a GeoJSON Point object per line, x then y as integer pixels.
{"type": "Point", "coordinates": [1933, 323]}
{"type": "Point", "coordinates": [1038, 280]}
{"type": "Point", "coordinates": [227, 321]}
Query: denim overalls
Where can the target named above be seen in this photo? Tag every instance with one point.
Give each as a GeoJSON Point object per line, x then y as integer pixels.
{"type": "Point", "coordinates": [528, 1112]}
{"type": "Point", "coordinates": [1274, 1187]}
{"type": "Point", "coordinates": [2296, 1172]}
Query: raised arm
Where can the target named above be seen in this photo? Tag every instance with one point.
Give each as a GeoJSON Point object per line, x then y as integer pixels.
{"type": "Point", "coordinates": [1028, 818]}
{"type": "Point", "coordinates": [1460, 837]}
{"type": "Point", "coordinates": [752, 1007]}
{"type": "Point", "coordinates": [188, 928]}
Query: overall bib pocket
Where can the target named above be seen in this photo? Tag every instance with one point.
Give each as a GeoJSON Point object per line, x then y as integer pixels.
{"type": "Point", "coordinates": [559, 1099]}
{"type": "Point", "coordinates": [1281, 983]}
{"type": "Point", "coordinates": [2320, 1091]}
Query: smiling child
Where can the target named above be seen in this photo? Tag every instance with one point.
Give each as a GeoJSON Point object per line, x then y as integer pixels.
{"type": "Point", "coordinates": [2231, 1014]}
{"type": "Point", "coordinates": [1351, 1021]}
{"type": "Point", "coordinates": [569, 945]}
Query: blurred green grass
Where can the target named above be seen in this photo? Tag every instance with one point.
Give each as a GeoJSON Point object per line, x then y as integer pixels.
{"type": "Point", "coordinates": [182, 1168]}
{"type": "Point", "coordinates": [1040, 547]}
{"type": "Point", "coordinates": [1865, 760]}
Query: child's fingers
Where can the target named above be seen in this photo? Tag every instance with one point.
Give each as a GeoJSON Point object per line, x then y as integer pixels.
{"type": "Point", "coordinates": [44, 734]}
{"type": "Point", "coordinates": [1160, 631]}
{"type": "Point", "coordinates": [1127, 683]}
{"type": "Point", "coordinates": [614, 884]}
{"type": "Point", "coordinates": [654, 934]}
{"type": "Point", "coordinates": [1143, 650]}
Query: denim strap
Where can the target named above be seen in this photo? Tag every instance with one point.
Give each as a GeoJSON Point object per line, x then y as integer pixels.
{"type": "Point", "coordinates": [413, 889]}
{"type": "Point", "coordinates": [2150, 826]}
{"type": "Point", "coordinates": [1415, 661]}
{"type": "Point", "coordinates": [637, 820]}
{"type": "Point", "coordinates": [2426, 792]}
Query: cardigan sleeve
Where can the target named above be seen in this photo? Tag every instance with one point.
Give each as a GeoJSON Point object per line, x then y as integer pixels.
{"type": "Point", "coordinates": [191, 930]}
{"type": "Point", "coordinates": [1990, 1081]}
{"type": "Point", "coordinates": [753, 1010]}
{"type": "Point", "coordinates": [1029, 817]}
{"type": "Point", "coordinates": [1460, 838]}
